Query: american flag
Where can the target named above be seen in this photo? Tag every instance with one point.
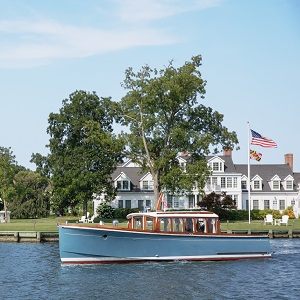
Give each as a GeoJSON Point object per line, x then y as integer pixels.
{"type": "Point", "coordinates": [262, 141]}
{"type": "Point", "coordinates": [164, 200]}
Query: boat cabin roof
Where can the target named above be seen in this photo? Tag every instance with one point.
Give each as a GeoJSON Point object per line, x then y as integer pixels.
{"type": "Point", "coordinates": [174, 214]}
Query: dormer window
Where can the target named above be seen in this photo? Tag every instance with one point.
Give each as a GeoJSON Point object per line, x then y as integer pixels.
{"type": "Point", "coordinates": [244, 184]}
{"type": "Point", "coordinates": [276, 184]}
{"type": "Point", "coordinates": [123, 185]}
{"type": "Point", "coordinates": [289, 185]}
{"type": "Point", "coordinates": [256, 185]}
{"type": "Point", "coordinates": [147, 185]}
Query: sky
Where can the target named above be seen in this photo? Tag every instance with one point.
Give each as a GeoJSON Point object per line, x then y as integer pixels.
{"type": "Point", "coordinates": [250, 59]}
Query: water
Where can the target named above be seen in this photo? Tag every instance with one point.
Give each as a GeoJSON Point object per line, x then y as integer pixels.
{"type": "Point", "coordinates": [33, 271]}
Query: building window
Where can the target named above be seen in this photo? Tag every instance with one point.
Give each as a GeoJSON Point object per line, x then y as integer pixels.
{"type": "Point", "coordinates": [147, 185]}
{"type": "Point", "coordinates": [123, 185]}
{"type": "Point", "coordinates": [141, 205]}
{"type": "Point", "coordinates": [281, 204]}
{"type": "Point", "coordinates": [223, 182]}
{"type": "Point", "coordinates": [293, 202]}
{"type": "Point", "coordinates": [176, 202]}
{"type": "Point", "coordinates": [275, 204]}
{"type": "Point", "coordinates": [256, 185]}
{"type": "Point", "coordinates": [120, 204]}
{"type": "Point", "coordinates": [266, 204]}
{"type": "Point", "coordinates": [216, 166]}
{"type": "Point", "coordinates": [191, 201]}
{"type": "Point", "coordinates": [244, 184]}
{"type": "Point", "coordinates": [289, 184]}
{"type": "Point", "coordinates": [148, 203]}
{"type": "Point", "coordinates": [255, 204]}
{"type": "Point", "coordinates": [276, 185]}
{"type": "Point", "coordinates": [127, 203]}
{"type": "Point", "coordinates": [214, 180]}
{"type": "Point", "coordinates": [229, 182]}
{"type": "Point", "coordinates": [235, 182]}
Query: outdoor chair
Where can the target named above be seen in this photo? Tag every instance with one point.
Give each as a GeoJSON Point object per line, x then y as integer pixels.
{"type": "Point", "coordinates": [284, 220]}
{"type": "Point", "coordinates": [82, 219]}
{"type": "Point", "coordinates": [91, 220]}
{"type": "Point", "coordinates": [268, 219]}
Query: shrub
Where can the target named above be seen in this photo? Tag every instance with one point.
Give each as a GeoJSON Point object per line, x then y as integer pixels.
{"type": "Point", "coordinates": [105, 211]}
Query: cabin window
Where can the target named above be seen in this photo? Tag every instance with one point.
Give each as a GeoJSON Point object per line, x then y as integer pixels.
{"type": "Point", "coordinates": [138, 223]}
{"type": "Point", "coordinates": [165, 224]}
{"type": "Point", "coordinates": [188, 223]}
{"type": "Point", "coordinates": [201, 225]}
{"type": "Point", "coordinates": [177, 224]}
{"type": "Point", "coordinates": [212, 225]}
{"type": "Point", "coordinates": [149, 224]}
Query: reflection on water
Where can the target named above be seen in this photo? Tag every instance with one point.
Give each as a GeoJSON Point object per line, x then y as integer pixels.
{"type": "Point", "coordinates": [33, 271]}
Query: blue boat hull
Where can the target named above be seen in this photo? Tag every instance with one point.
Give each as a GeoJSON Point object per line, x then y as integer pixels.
{"type": "Point", "coordinates": [86, 245]}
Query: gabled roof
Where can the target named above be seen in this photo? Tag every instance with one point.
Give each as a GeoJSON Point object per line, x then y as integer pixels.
{"type": "Point", "coordinates": [228, 163]}
{"type": "Point", "coordinates": [267, 172]}
{"type": "Point", "coordinates": [134, 173]}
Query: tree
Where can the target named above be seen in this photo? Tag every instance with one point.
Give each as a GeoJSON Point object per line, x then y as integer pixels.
{"type": "Point", "coordinates": [30, 198]}
{"type": "Point", "coordinates": [217, 202]}
{"type": "Point", "coordinates": [165, 117]}
{"type": "Point", "coordinates": [8, 167]}
{"type": "Point", "coordinates": [83, 150]}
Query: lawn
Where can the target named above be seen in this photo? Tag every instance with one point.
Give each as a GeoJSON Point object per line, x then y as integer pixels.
{"type": "Point", "coordinates": [50, 224]}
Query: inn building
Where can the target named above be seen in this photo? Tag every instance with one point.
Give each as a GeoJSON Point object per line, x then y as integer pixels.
{"type": "Point", "coordinates": [273, 186]}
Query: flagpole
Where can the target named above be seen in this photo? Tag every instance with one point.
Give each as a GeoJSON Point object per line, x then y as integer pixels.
{"type": "Point", "coordinates": [248, 181]}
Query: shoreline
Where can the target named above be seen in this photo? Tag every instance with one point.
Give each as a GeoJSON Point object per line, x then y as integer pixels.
{"type": "Point", "coordinates": [40, 237]}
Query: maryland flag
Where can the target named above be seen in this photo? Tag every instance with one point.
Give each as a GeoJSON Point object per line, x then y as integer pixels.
{"type": "Point", "coordinates": [255, 155]}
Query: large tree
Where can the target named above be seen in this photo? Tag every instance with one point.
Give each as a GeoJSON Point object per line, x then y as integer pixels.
{"type": "Point", "coordinates": [83, 150]}
{"type": "Point", "coordinates": [31, 198]}
{"type": "Point", "coordinates": [165, 117]}
{"type": "Point", "coordinates": [8, 168]}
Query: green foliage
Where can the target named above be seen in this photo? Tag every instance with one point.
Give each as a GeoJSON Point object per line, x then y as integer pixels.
{"type": "Point", "coordinates": [83, 151]}
{"type": "Point", "coordinates": [163, 111]}
{"type": "Point", "coordinates": [30, 198]}
{"type": "Point", "coordinates": [105, 211]}
{"type": "Point", "coordinates": [121, 213]}
{"type": "Point", "coordinates": [217, 202]}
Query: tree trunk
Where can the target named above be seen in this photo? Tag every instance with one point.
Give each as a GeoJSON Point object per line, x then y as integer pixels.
{"type": "Point", "coordinates": [5, 212]}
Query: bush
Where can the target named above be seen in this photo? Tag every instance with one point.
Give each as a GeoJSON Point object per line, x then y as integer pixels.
{"type": "Point", "coordinates": [121, 213]}
{"type": "Point", "coordinates": [105, 211]}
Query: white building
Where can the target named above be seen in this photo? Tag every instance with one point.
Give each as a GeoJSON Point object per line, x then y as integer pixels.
{"type": "Point", "coordinates": [271, 186]}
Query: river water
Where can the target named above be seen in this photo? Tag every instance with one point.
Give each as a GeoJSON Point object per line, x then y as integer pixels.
{"type": "Point", "coordinates": [33, 271]}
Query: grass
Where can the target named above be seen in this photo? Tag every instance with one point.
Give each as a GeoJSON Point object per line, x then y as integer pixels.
{"type": "Point", "coordinates": [50, 224]}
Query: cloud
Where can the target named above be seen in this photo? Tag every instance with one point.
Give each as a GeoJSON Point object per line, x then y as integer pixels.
{"type": "Point", "coordinates": [149, 10]}
{"type": "Point", "coordinates": [38, 40]}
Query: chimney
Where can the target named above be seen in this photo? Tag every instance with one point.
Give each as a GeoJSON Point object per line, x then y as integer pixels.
{"type": "Point", "coordinates": [227, 152]}
{"type": "Point", "coordinates": [288, 159]}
